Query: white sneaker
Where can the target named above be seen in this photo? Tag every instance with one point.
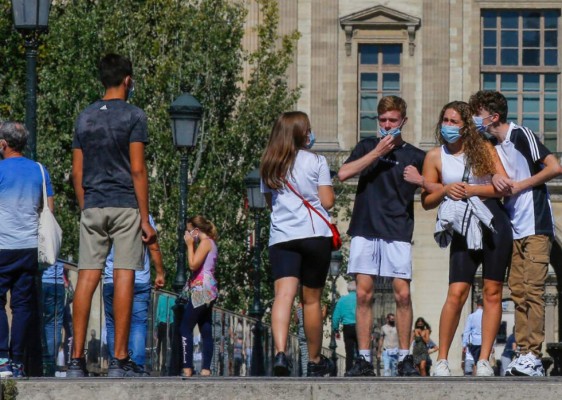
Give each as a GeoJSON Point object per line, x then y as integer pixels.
{"type": "Point", "coordinates": [441, 368]}
{"type": "Point", "coordinates": [483, 368]}
{"type": "Point", "coordinates": [513, 363]}
{"type": "Point", "coordinates": [528, 365]}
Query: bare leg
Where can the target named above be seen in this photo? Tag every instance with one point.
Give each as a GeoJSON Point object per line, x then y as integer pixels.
{"type": "Point", "coordinates": [124, 286]}
{"type": "Point", "coordinates": [88, 280]}
{"type": "Point", "coordinates": [285, 292]}
{"type": "Point", "coordinates": [312, 313]}
{"type": "Point", "coordinates": [404, 314]}
{"type": "Point", "coordinates": [364, 311]}
{"type": "Point", "coordinates": [491, 316]}
{"type": "Point", "coordinates": [450, 315]}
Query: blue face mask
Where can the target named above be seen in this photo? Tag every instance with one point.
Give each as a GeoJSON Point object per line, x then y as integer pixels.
{"type": "Point", "coordinates": [450, 133]}
{"type": "Point", "coordinates": [311, 140]}
{"type": "Point", "coordinates": [479, 122]}
{"type": "Point", "coordinates": [392, 132]}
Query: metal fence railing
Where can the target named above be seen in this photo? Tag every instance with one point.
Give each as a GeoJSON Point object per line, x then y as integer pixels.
{"type": "Point", "coordinates": [233, 334]}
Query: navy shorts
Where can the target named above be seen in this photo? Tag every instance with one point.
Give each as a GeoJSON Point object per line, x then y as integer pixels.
{"type": "Point", "coordinates": [495, 255]}
{"type": "Point", "coordinates": [307, 259]}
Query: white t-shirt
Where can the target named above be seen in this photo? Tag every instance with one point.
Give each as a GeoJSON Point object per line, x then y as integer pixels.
{"type": "Point", "coordinates": [290, 218]}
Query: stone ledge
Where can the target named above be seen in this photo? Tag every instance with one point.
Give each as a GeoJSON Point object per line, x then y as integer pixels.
{"type": "Point", "coordinates": [290, 388]}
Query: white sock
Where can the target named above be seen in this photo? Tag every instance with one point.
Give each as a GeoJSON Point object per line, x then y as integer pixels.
{"type": "Point", "coordinates": [402, 354]}
{"type": "Point", "coordinates": [366, 354]}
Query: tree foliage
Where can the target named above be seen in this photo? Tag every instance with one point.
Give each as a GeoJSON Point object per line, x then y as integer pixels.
{"type": "Point", "coordinates": [175, 45]}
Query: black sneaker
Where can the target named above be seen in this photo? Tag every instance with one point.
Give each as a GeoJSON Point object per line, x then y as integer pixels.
{"type": "Point", "coordinates": [324, 367]}
{"type": "Point", "coordinates": [407, 368]}
{"type": "Point", "coordinates": [125, 368]}
{"type": "Point", "coordinates": [361, 367]}
{"type": "Point", "coordinates": [77, 368]}
{"type": "Point", "coordinates": [281, 365]}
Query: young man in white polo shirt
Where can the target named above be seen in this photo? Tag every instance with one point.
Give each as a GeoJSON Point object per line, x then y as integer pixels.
{"type": "Point", "coordinates": [529, 165]}
{"type": "Point", "coordinates": [381, 228]}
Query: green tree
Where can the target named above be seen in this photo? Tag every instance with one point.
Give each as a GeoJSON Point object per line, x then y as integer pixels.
{"type": "Point", "coordinates": [193, 45]}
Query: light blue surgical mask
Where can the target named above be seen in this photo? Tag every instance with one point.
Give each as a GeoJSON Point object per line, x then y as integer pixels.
{"type": "Point", "coordinates": [450, 133]}
{"type": "Point", "coordinates": [392, 132]}
{"type": "Point", "coordinates": [311, 140]}
{"type": "Point", "coordinates": [479, 122]}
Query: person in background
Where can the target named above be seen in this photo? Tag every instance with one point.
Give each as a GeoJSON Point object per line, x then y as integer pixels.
{"type": "Point", "coordinates": [344, 314]}
{"type": "Point", "coordinates": [163, 326]}
{"type": "Point", "coordinates": [200, 292]}
{"type": "Point", "coordinates": [508, 353]}
{"type": "Point", "coordinates": [141, 301]}
{"type": "Point", "coordinates": [300, 242]}
{"type": "Point", "coordinates": [388, 346]}
{"type": "Point", "coordinates": [21, 197]}
{"type": "Point", "coordinates": [472, 335]}
{"type": "Point", "coordinates": [420, 339]}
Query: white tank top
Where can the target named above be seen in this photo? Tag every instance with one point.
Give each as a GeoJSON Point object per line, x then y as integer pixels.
{"type": "Point", "coordinates": [452, 170]}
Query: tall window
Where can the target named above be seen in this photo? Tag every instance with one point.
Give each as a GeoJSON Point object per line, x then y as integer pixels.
{"type": "Point", "coordinates": [379, 75]}
{"type": "Point", "coordinates": [520, 59]}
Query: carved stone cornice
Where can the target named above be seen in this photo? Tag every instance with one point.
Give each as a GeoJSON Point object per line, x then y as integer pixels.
{"type": "Point", "coordinates": [379, 17]}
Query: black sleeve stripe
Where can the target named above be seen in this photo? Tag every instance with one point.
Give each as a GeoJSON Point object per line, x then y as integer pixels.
{"type": "Point", "coordinates": [532, 139]}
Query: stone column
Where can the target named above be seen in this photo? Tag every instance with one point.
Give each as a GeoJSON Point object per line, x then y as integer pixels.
{"type": "Point", "coordinates": [550, 323]}
{"type": "Point", "coordinates": [435, 36]}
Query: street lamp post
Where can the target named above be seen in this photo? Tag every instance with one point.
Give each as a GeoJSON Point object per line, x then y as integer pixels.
{"type": "Point", "coordinates": [256, 201]}
{"type": "Point", "coordinates": [335, 266]}
{"type": "Point", "coordinates": [185, 114]}
{"type": "Point", "coordinates": [31, 17]}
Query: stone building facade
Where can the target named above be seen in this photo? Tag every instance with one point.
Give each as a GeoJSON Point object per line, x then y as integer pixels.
{"type": "Point", "coordinates": [430, 52]}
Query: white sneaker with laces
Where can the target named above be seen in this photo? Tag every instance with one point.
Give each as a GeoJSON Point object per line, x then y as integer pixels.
{"type": "Point", "coordinates": [529, 365]}
{"type": "Point", "coordinates": [483, 368]}
{"type": "Point", "coordinates": [513, 363]}
{"type": "Point", "coordinates": [441, 368]}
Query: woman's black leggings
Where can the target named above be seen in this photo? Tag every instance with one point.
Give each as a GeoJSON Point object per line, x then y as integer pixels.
{"type": "Point", "coordinates": [202, 316]}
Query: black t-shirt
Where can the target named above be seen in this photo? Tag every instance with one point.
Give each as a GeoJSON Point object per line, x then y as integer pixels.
{"type": "Point", "coordinates": [384, 202]}
{"type": "Point", "coordinates": [104, 131]}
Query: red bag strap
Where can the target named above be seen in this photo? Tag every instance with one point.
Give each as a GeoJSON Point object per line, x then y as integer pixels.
{"type": "Point", "coordinates": [306, 203]}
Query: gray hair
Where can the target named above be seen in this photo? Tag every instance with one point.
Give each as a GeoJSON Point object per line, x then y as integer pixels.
{"type": "Point", "coordinates": [15, 134]}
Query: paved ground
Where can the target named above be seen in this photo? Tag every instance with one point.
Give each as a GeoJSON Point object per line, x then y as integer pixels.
{"type": "Point", "coordinates": [291, 388]}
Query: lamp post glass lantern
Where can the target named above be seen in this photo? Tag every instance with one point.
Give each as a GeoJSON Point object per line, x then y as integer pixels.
{"type": "Point", "coordinates": [256, 201]}
{"type": "Point", "coordinates": [31, 17]}
{"type": "Point", "coordinates": [335, 268]}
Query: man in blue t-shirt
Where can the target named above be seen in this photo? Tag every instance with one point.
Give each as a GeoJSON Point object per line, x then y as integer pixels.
{"type": "Point", "coordinates": [21, 192]}
{"type": "Point", "coordinates": [141, 300]}
{"type": "Point", "coordinates": [529, 165]}
{"type": "Point", "coordinates": [111, 184]}
{"type": "Point", "coordinates": [381, 228]}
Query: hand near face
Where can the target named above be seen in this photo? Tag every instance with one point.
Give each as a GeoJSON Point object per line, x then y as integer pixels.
{"type": "Point", "coordinates": [385, 146]}
{"type": "Point", "coordinates": [189, 240]}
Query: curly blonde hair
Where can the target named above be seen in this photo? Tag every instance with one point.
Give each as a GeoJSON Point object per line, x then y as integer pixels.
{"type": "Point", "coordinates": [474, 146]}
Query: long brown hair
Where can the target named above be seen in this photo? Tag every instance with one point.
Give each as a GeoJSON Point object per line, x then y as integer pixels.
{"type": "Point", "coordinates": [474, 146]}
{"type": "Point", "coordinates": [204, 225]}
{"type": "Point", "coordinates": [289, 134]}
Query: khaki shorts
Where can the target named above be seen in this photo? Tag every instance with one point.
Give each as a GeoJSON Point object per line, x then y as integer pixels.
{"type": "Point", "coordinates": [102, 227]}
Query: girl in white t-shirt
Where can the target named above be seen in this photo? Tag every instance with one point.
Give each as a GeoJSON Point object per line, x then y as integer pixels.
{"type": "Point", "coordinates": [300, 241]}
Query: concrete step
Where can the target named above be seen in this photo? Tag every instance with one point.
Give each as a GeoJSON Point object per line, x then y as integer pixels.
{"type": "Point", "coordinates": [508, 388]}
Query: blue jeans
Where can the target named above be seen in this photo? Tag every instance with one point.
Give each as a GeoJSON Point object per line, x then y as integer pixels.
{"type": "Point", "coordinates": [390, 363]}
{"type": "Point", "coordinates": [139, 321]}
{"type": "Point", "coordinates": [53, 317]}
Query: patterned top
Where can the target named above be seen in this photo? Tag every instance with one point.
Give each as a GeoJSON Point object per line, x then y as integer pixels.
{"type": "Point", "coordinates": [202, 286]}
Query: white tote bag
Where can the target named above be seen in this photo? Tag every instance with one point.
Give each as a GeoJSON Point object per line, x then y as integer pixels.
{"type": "Point", "coordinates": [50, 233]}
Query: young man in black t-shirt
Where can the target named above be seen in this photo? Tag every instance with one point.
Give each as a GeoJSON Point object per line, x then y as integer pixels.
{"type": "Point", "coordinates": [111, 184]}
{"type": "Point", "coordinates": [381, 228]}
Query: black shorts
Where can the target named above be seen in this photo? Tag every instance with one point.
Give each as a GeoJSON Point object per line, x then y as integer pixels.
{"type": "Point", "coordinates": [307, 259]}
{"type": "Point", "coordinates": [495, 255]}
